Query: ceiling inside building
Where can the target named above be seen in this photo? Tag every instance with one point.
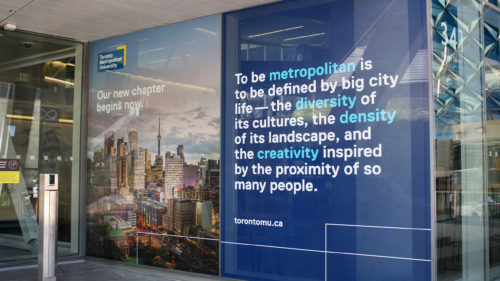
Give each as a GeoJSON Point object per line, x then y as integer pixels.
{"type": "Point", "coordinates": [90, 20]}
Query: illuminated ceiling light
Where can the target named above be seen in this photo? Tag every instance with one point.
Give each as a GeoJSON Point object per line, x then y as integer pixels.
{"type": "Point", "coordinates": [205, 31]}
{"type": "Point", "coordinates": [151, 51]}
{"type": "Point", "coordinates": [69, 121]}
{"type": "Point", "coordinates": [60, 63]}
{"type": "Point", "coordinates": [157, 61]}
{"type": "Point", "coordinates": [23, 117]}
{"type": "Point", "coordinates": [164, 60]}
{"type": "Point", "coordinates": [59, 81]}
{"type": "Point", "coordinates": [144, 78]}
{"type": "Point", "coordinates": [10, 26]}
{"type": "Point", "coordinates": [276, 31]}
{"type": "Point", "coordinates": [305, 36]}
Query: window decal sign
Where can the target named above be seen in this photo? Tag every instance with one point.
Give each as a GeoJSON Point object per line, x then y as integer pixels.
{"type": "Point", "coordinates": [9, 171]}
{"type": "Point", "coordinates": [154, 147]}
{"type": "Point", "coordinates": [326, 142]}
{"type": "Point", "coordinates": [112, 60]}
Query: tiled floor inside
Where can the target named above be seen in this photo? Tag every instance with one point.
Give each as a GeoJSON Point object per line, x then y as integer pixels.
{"type": "Point", "coordinates": [100, 269]}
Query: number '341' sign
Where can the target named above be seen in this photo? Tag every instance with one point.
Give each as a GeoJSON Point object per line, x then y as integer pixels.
{"type": "Point", "coordinates": [450, 38]}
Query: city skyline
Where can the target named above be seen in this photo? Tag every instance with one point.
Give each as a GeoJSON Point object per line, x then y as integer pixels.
{"type": "Point", "coordinates": [169, 198]}
{"type": "Point", "coordinates": [127, 145]}
{"type": "Point", "coordinates": [197, 145]}
{"type": "Point", "coordinates": [188, 104]}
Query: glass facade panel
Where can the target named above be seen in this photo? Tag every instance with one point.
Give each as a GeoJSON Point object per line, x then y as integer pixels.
{"type": "Point", "coordinates": [323, 236]}
{"type": "Point", "coordinates": [492, 79]}
{"type": "Point", "coordinates": [39, 126]}
{"type": "Point", "coordinates": [153, 150]}
{"type": "Point", "coordinates": [457, 67]}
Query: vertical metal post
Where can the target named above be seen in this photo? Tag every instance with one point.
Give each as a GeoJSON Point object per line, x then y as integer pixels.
{"type": "Point", "coordinates": [47, 227]}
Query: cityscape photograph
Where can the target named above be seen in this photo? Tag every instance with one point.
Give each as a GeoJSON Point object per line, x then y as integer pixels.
{"type": "Point", "coordinates": [153, 169]}
{"type": "Point", "coordinates": [153, 208]}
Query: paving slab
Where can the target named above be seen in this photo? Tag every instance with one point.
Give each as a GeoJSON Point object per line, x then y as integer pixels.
{"type": "Point", "coordinates": [91, 269]}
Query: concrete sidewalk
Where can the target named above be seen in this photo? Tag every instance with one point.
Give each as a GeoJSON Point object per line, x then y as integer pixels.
{"type": "Point", "coordinates": [100, 269]}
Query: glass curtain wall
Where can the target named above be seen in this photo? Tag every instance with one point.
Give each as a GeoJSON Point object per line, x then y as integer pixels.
{"type": "Point", "coordinates": [466, 69]}
{"type": "Point", "coordinates": [40, 97]}
{"type": "Point", "coordinates": [492, 79]}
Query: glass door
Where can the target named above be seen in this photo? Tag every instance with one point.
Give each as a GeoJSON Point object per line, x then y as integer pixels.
{"type": "Point", "coordinates": [40, 97]}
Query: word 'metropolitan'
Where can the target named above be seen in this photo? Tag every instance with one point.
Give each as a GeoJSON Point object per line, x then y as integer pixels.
{"type": "Point", "coordinates": [326, 69]}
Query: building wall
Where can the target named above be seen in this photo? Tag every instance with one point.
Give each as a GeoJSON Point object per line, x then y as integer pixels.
{"type": "Point", "coordinates": [182, 193]}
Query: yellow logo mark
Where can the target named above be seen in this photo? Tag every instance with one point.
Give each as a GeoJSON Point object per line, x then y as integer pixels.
{"type": "Point", "coordinates": [124, 47]}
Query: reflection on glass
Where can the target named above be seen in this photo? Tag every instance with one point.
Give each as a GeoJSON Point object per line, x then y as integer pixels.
{"type": "Point", "coordinates": [37, 113]}
{"type": "Point", "coordinates": [492, 72]}
{"type": "Point", "coordinates": [460, 172]}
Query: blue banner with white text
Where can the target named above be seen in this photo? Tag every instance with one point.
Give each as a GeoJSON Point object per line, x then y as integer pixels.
{"type": "Point", "coordinates": [326, 142]}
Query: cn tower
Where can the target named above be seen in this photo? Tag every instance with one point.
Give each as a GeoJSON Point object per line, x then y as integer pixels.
{"type": "Point", "coordinates": [159, 135]}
